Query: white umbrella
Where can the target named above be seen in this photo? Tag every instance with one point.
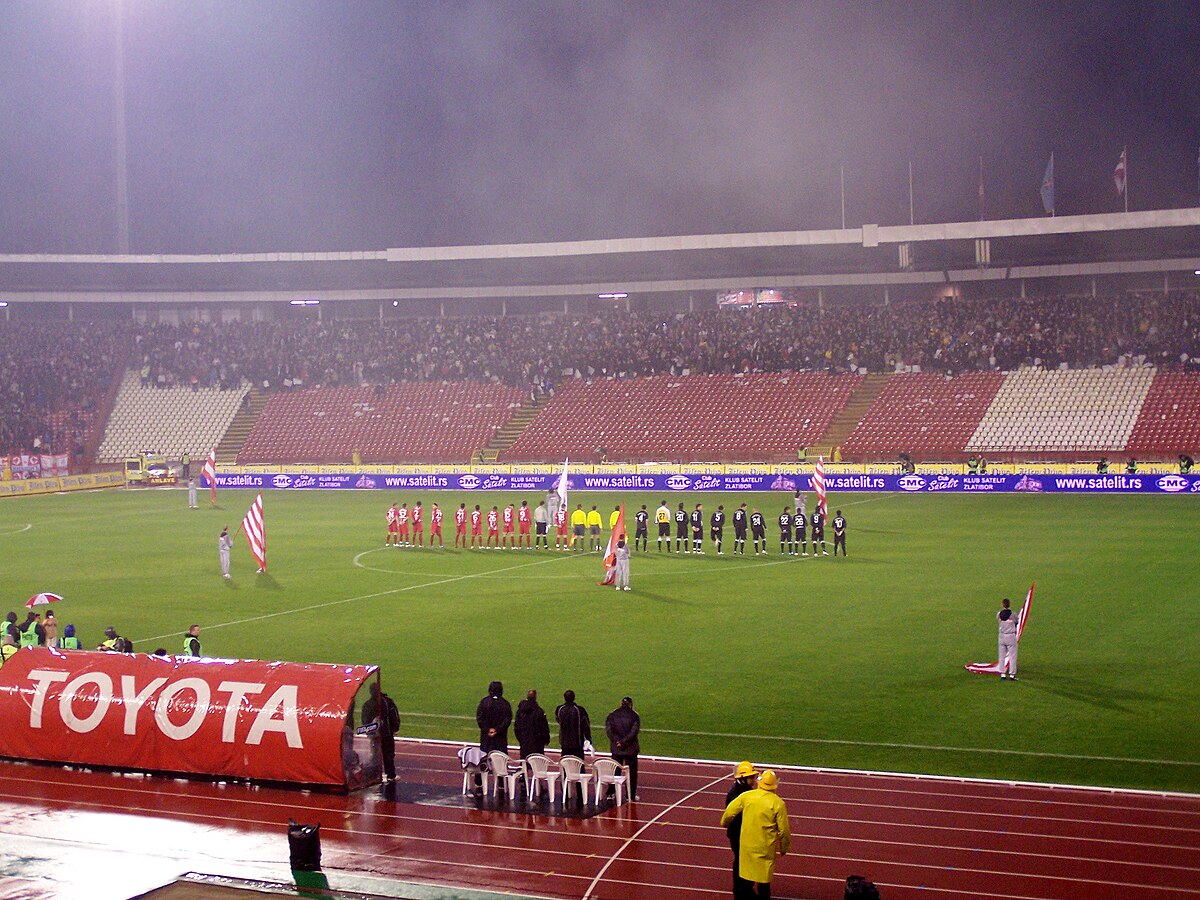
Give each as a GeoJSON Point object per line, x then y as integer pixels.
{"type": "Point", "coordinates": [42, 599]}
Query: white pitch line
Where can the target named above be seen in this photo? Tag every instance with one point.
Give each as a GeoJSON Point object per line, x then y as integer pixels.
{"type": "Point", "coordinates": [23, 528]}
{"type": "Point", "coordinates": [883, 744]}
{"type": "Point", "coordinates": [388, 593]}
{"type": "Point", "coordinates": [633, 837]}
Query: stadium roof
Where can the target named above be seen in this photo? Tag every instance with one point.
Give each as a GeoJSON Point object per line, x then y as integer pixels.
{"type": "Point", "coordinates": [1152, 241]}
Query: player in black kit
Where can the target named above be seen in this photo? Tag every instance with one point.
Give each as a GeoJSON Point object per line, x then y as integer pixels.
{"type": "Point", "coordinates": [716, 528]}
{"type": "Point", "coordinates": [799, 535]}
{"type": "Point", "coordinates": [758, 528]}
{"type": "Point", "coordinates": [739, 529]}
{"type": "Point", "coordinates": [839, 533]}
{"type": "Point", "coordinates": [697, 529]}
{"type": "Point", "coordinates": [642, 518]}
{"type": "Point", "coordinates": [785, 532]}
{"type": "Point", "coordinates": [818, 532]}
{"type": "Point", "coordinates": [681, 524]}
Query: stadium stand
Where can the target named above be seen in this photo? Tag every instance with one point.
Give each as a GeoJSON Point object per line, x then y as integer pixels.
{"type": "Point", "coordinates": [1071, 411]}
{"type": "Point", "coordinates": [1170, 419]}
{"type": "Point", "coordinates": [171, 421]}
{"type": "Point", "coordinates": [406, 422]}
{"type": "Point", "coordinates": [928, 416]}
{"type": "Point", "coordinates": [695, 418]}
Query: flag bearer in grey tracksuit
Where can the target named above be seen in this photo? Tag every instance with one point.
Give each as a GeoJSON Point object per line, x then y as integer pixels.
{"type": "Point", "coordinates": [622, 554]}
{"type": "Point", "coordinates": [224, 545]}
{"type": "Point", "coordinates": [1007, 649]}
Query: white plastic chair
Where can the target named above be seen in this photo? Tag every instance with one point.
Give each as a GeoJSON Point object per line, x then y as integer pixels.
{"type": "Point", "coordinates": [572, 773]}
{"type": "Point", "coordinates": [609, 772]}
{"type": "Point", "coordinates": [473, 770]}
{"type": "Point", "coordinates": [539, 770]}
{"type": "Point", "coordinates": [501, 766]}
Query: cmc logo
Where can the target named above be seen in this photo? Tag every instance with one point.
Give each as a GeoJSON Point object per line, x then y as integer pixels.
{"type": "Point", "coordinates": [1172, 483]}
{"type": "Point", "coordinates": [468, 482]}
{"type": "Point", "coordinates": [679, 482]}
{"type": "Point", "coordinates": [282, 481]}
{"type": "Point", "coordinates": [911, 483]}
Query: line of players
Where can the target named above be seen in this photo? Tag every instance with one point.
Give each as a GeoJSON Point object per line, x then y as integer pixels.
{"type": "Point", "coordinates": [510, 528]}
{"type": "Point", "coordinates": [794, 527]}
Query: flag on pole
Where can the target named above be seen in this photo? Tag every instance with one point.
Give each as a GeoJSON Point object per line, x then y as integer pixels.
{"type": "Point", "coordinates": [610, 555]}
{"type": "Point", "coordinates": [561, 487]}
{"type": "Point", "coordinates": [256, 534]}
{"type": "Point", "coordinates": [1000, 665]}
{"type": "Point", "coordinates": [1048, 186]}
{"type": "Point", "coordinates": [210, 472]}
{"type": "Point", "coordinates": [818, 483]}
{"type": "Point", "coordinates": [1119, 175]}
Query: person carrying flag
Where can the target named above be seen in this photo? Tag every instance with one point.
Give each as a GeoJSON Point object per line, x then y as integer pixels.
{"type": "Point", "coordinates": [1007, 648]}
{"type": "Point", "coordinates": [562, 539]}
{"type": "Point", "coordinates": [621, 555]}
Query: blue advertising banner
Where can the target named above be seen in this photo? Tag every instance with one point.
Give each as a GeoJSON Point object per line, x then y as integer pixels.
{"type": "Point", "coordinates": [684, 481]}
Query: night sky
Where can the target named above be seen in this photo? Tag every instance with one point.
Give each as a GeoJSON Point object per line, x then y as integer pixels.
{"type": "Point", "coordinates": [255, 126]}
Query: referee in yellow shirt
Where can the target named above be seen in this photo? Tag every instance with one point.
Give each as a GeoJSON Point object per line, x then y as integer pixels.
{"type": "Point", "coordinates": [578, 522]}
{"type": "Point", "coordinates": [594, 523]}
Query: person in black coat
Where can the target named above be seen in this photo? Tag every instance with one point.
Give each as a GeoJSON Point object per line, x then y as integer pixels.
{"type": "Point", "coordinates": [493, 717]}
{"type": "Point", "coordinates": [574, 729]}
{"type": "Point", "coordinates": [381, 709]}
{"type": "Point", "coordinates": [530, 727]}
{"type": "Point", "coordinates": [622, 727]}
{"type": "Point", "coordinates": [745, 779]}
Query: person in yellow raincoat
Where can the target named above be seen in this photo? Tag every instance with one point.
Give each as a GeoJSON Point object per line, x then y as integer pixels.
{"type": "Point", "coordinates": [765, 831]}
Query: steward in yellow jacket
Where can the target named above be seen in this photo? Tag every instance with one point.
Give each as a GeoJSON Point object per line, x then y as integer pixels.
{"type": "Point", "coordinates": [765, 830]}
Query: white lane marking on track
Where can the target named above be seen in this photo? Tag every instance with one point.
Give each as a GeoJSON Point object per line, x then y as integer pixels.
{"type": "Point", "coordinates": [23, 528]}
{"type": "Point", "coordinates": [387, 593]}
{"type": "Point", "coordinates": [633, 837]}
{"type": "Point", "coordinates": [885, 744]}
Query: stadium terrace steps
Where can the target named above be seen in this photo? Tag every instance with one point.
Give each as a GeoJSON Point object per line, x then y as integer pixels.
{"type": "Point", "coordinates": [508, 433]}
{"type": "Point", "coordinates": [1169, 422]}
{"type": "Point", "coordinates": [688, 418]}
{"type": "Point", "coordinates": [1072, 411]}
{"type": "Point", "coordinates": [239, 429]}
{"type": "Point", "coordinates": [852, 413]}
{"type": "Point", "coordinates": [171, 421]}
{"type": "Point", "coordinates": [397, 423]}
{"type": "Point", "coordinates": [925, 414]}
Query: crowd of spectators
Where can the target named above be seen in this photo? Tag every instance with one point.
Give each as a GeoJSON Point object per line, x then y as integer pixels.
{"type": "Point", "coordinates": [52, 378]}
{"type": "Point", "coordinates": [44, 369]}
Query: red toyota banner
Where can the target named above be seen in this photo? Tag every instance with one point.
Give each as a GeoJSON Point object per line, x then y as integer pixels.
{"type": "Point", "coordinates": [266, 721]}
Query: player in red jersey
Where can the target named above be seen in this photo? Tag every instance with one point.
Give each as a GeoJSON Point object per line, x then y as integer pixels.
{"type": "Point", "coordinates": [476, 526]}
{"type": "Point", "coordinates": [404, 524]}
{"type": "Point", "coordinates": [510, 523]}
{"type": "Point", "coordinates": [460, 525]}
{"type": "Point", "coordinates": [393, 527]}
{"type": "Point", "coordinates": [435, 525]}
{"type": "Point", "coordinates": [493, 520]}
{"type": "Point", "coordinates": [562, 540]}
{"type": "Point", "coordinates": [418, 524]}
{"type": "Point", "coordinates": [524, 518]}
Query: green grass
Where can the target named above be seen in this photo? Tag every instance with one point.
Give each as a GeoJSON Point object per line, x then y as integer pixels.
{"type": "Point", "coordinates": [849, 663]}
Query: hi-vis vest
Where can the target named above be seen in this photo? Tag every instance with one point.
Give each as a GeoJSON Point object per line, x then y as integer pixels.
{"type": "Point", "coordinates": [187, 645]}
{"type": "Point", "coordinates": [70, 643]}
{"type": "Point", "coordinates": [29, 636]}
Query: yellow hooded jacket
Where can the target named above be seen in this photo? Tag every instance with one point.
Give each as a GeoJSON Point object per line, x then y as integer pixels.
{"type": "Point", "coordinates": [764, 830]}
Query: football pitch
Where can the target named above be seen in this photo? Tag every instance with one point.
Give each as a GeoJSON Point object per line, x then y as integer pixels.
{"type": "Point", "coordinates": [854, 663]}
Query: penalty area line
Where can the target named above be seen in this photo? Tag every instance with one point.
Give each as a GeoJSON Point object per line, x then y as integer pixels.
{"type": "Point", "coordinates": [886, 745]}
{"type": "Point", "coordinates": [23, 528]}
{"type": "Point", "coordinates": [342, 602]}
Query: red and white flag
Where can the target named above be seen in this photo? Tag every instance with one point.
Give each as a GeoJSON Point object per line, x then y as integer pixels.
{"type": "Point", "coordinates": [818, 483]}
{"type": "Point", "coordinates": [256, 533]}
{"type": "Point", "coordinates": [1119, 175]}
{"type": "Point", "coordinates": [210, 472]}
{"type": "Point", "coordinates": [999, 665]}
{"type": "Point", "coordinates": [610, 555]}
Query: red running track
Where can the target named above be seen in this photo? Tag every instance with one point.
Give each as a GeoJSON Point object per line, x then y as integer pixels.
{"type": "Point", "coordinates": [916, 837]}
